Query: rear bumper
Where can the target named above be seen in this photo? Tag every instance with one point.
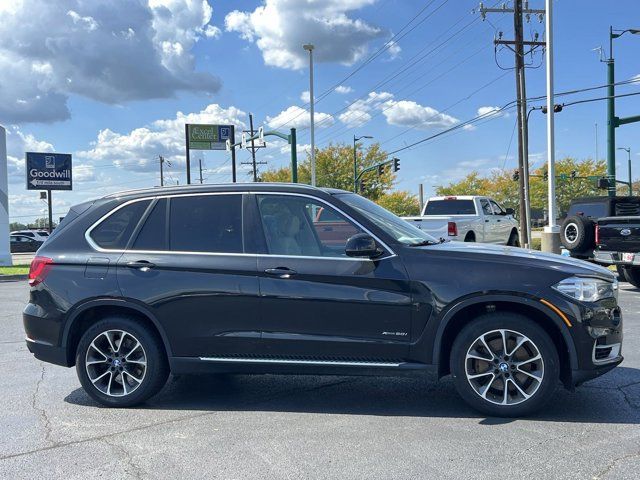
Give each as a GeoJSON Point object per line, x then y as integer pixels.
{"type": "Point", "coordinates": [48, 353]}
{"type": "Point", "coordinates": [614, 258]}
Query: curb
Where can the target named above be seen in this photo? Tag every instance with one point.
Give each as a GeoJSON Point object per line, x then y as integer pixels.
{"type": "Point", "coordinates": [13, 278]}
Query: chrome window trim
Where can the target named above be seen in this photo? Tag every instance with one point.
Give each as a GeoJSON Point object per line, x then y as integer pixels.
{"type": "Point", "coordinates": [95, 246]}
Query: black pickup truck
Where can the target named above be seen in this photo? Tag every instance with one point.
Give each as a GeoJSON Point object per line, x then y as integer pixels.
{"type": "Point", "coordinates": [605, 230]}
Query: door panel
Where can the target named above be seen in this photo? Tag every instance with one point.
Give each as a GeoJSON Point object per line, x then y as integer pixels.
{"type": "Point", "coordinates": [316, 301]}
{"type": "Point", "coordinates": [195, 276]}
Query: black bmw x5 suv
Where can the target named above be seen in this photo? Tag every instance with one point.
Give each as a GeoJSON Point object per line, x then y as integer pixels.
{"type": "Point", "coordinates": [290, 279]}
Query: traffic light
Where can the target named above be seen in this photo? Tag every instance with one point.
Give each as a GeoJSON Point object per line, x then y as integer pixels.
{"type": "Point", "coordinates": [380, 169]}
{"type": "Point", "coordinates": [362, 186]}
{"type": "Point", "coordinates": [603, 183]}
{"type": "Point", "coordinates": [557, 108]}
{"type": "Point", "coordinates": [545, 176]}
{"type": "Point", "coordinates": [574, 174]}
{"type": "Point", "coordinates": [396, 164]}
{"type": "Point", "coordinates": [516, 175]}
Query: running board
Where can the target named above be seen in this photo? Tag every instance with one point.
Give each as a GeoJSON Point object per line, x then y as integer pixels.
{"type": "Point", "coordinates": [338, 363]}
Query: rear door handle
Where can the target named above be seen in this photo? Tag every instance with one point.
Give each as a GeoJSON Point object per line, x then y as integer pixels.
{"type": "Point", "coordinates": [141, 265]}
{"type": "Point", "coordinates": [280, 272]}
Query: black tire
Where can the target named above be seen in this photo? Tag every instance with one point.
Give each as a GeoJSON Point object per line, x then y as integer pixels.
{"type": "Point", "coordinates": [577, 234]}
{"type": "Point", "coordinates": [514, 241]}
{"type": "Point", "coordinates": [632, 275]}
{"type": "Point", "coordinates": [540, 391]}
{"type": "Point", "coordinates": [470, 237]}
{"type": "Point", "coordinates": [621, 273]}
{"type": "Point", "coordinates": [150, 351]}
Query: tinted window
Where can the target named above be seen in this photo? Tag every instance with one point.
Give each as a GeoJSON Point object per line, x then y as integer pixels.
{"type": "Point", "coordinates": [115, 231]}
{"type": "Point", "coordinates": [304, 227]}
{"type": "Point", "coordinates": [153, 236]}
{"type": "Point", "coordinates": [591, 210]}
{"type": "Point", "coordinates": [206, 223]}
{"type": "Point", "coordinates": [450, 207]}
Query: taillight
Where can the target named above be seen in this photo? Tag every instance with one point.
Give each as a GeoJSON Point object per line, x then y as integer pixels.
{"type": "Point", "coordinates": [452, 229]}
{"type": "Point", "coordinates": [597, 234]}
{"type": "Point", "coordinates": [39, 269]}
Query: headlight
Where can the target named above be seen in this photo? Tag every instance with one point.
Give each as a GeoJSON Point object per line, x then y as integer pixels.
{"type": "Point", "coordinates": [587, 289]}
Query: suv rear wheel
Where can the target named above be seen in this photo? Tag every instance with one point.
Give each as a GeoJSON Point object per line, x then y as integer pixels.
{"type": "Point", "coordinates": [504, 365]}
{"type": "Point", "coordinates": [120, 363]}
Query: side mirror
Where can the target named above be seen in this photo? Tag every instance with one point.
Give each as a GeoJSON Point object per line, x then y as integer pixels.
{"type": "Point", "coordinates": [362, 245]}
{"type": "Point", "coordinates": [510, 211]}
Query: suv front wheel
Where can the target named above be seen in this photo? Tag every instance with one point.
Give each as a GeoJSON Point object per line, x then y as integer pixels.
{"type": "Point", "coordinates": [504, 365]}
{"type": "Point", "coordinates": [120, 362]}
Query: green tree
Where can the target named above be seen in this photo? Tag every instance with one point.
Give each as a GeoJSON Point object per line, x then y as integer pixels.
{"type": "Point", "coordinates": [400, 202]}
{"type": "Point", "coordinates": [501, 186]}
{"type": "Point", "coordinates": [334, 169]}
{"type": "Point", "coordinates": [13, 226]}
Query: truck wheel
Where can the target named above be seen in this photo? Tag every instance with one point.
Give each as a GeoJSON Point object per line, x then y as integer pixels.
{"type": "Point", "coordinates": [577, 234]}
{"type": "Point", "coordinates": [632, 275]}
{"type": "Point", "coordinates": [504, 364]}
{"type": "Point", "coordinates": [120, 362]}
{"type": "Point", "coordinates": [513, 239]}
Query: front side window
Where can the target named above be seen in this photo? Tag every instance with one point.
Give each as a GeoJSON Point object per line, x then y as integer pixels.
{"type": "Point", "coordinates": [206, 223]}
{"type": "Point", "coordinates": [497, 209]}
{"type": "Point", "coordinates": [115, 231]}
{"type": "Point", "coordinates": [302, 226]}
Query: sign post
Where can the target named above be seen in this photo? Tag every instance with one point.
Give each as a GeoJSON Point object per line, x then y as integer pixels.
{"type": "Point", "coordinates": [49, 171]}
{"type": "Point", "coordinates": [5, 249]}
{"type": "Point", "coordinates": [208, 137]}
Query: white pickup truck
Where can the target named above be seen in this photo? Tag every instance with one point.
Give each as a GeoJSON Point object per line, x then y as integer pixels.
{"type": "Point", "coordinates": [468, 218]}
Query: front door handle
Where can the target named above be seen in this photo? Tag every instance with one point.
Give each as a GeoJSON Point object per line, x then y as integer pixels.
{"type": "Point", "coordinates": [141, 265]}
{"type": "Point", "coordinates": [280, 272]}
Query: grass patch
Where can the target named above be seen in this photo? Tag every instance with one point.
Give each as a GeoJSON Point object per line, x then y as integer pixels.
{"type": "Point", "coordinates": [536, 244]}
{"type": "Point", "coordinates": [15, 270]}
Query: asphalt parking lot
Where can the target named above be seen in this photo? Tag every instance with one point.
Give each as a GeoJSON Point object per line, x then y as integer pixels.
{"type": "Point", "coordinates": [246, 427]}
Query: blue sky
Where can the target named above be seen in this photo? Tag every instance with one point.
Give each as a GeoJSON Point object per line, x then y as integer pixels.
{"type": "Point", "coordinates": [113, 83]}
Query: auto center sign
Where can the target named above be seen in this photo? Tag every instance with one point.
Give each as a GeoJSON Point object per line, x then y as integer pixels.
{"type": "Point", "coordinates": [208, 137]}
{"type": "Point", "coordinates": [48, 171]}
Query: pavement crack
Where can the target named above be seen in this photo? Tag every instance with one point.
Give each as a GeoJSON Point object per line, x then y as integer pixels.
{"type": "Point", "coordinates": [130, 467]}
{"type": "Point", "coordinates": [42, 413]}
{"type": "Point", "coordinates": [164, 422]}
{"type": "Point", "coordinates": [613, 463]}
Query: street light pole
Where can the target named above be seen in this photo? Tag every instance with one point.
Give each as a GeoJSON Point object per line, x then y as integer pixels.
{"type": "Point", "coordinates": [628, 150]}
{"type": "Point", "coordinates": [612, 121]}
{"type": "Point", "coordinates": [309, 47]}
{"type": "Point", "coordinates": [551, 234]}
{"type": "Point", "coordinates": [355, 161]}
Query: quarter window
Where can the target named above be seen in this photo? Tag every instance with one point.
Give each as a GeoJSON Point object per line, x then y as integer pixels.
{"type": "Point", "coordinates": [115, 231]}
{"type": "Point", "coordinates": [304, 227]}
{"type": "Point", "coordinates": [206, 223]}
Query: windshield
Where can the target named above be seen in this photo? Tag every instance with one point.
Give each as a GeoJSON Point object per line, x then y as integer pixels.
{"type": "Point", "coordinates": [394, 226]}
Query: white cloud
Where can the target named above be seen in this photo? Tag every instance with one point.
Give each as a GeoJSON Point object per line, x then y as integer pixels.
{"type": "Point", "coordinates": [111, 53]}
{"type": "Point", "coordinates": [393, 50]}
{"type": "Point", "coordinates": [305, 96]}
{"type": "Point", "coordinates": [404, 113]}
{"type": "Point", "coordinates": [343, 89]}
{"type": "Point", "coordinates": [279, 28]}
{"type": "Point", "coordinates": [19, 142]}
{"type": "Point", "coordinates": [492, 112]}
{"type": "Point", "coordinates": [138, 149]}
{"type": "Point", "coordinates": [358, 112]}
{"type": "Point", "coordinates": [298, 117]}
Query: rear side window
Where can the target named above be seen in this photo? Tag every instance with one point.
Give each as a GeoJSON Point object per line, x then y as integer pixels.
{"type": "Point", "coordinates": [450, 207]}
{"type": "Point", "coordinates": [589, 210]}
{"type": "Point", "coordinates": [206, 223]}
{"type": "Point", "coordinates": [153, 236]}
{"type": "Point", "coordinates": [115, 231]}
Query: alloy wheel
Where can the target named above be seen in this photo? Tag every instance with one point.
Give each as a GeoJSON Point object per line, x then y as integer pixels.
{"type": "Point", "coordinates": [504, 367]}
{"type": "Point", "coordinates": [116, 363]}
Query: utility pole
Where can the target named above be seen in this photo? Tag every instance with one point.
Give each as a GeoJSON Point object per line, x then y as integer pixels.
{"type": "Point", "coordinates": [309, 47]}
{"type": "Point", "coordinates": [628, 150]}
{"type": "Point", "coordinates": [517, 46]}
{"type": "Point", "coordinates": [253, 148]}
{"type": "Point", "coordinates": [161, 170]}
{"type": "Point", "coordinates": [200, 166]}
